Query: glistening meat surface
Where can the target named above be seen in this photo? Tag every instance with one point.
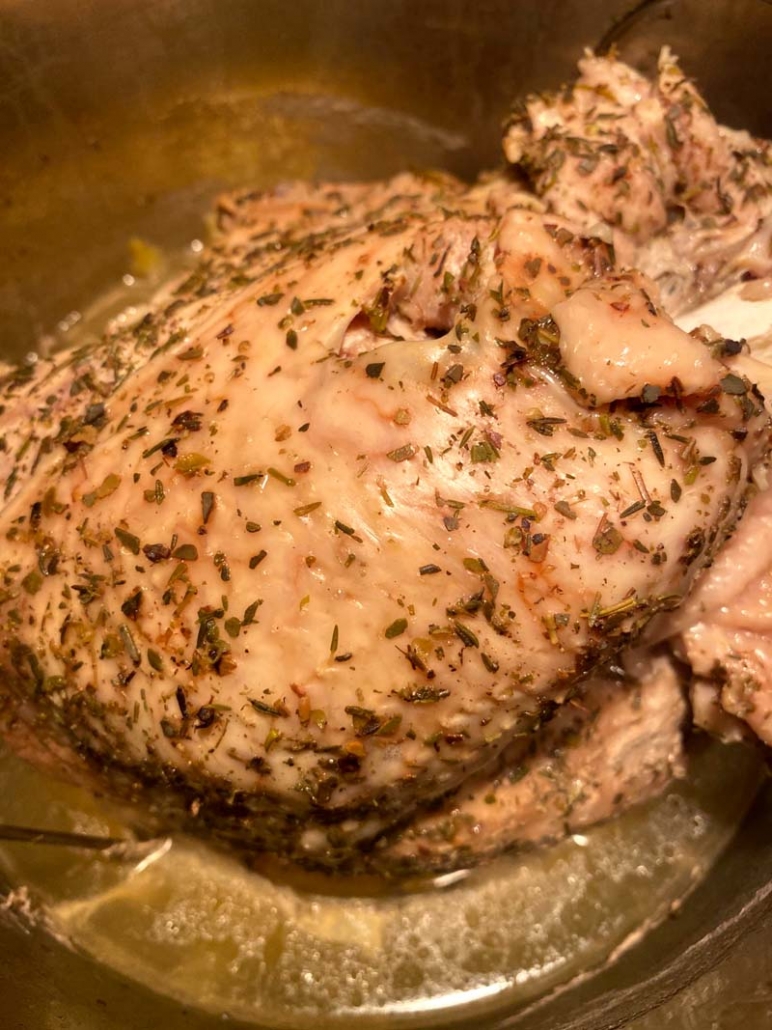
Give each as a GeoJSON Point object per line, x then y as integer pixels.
{"type": "Point", "coordinates": [353, 509]}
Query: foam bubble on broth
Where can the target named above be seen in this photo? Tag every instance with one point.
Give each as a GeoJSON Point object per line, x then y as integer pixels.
{"type": "Point", "coordinates": [200, 927]}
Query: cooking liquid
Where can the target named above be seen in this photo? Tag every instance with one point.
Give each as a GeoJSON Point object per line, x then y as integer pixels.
{"type": "Point", "coordinates": [197, 925]}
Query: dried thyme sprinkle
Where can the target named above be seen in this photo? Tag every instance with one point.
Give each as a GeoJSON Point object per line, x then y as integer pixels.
{"type": "Point", "coordinates": [396, 629]}
{"type": "Point", "coordinates": [402, 453]}
{"type": "Point", "coordinates": [251, 477]}
{"type": "Point", "coordinates": [306, 509]}
{"type": "Point", "coordinates": [182, 702]}
{"type": "Point", "coordinates": [564, 508]}
{"type": "Point", "coordinates": [191, 464]}
{"type": "Point", "coordinates": [191, 354]}
{"type": "Point", "coordinates": [232, 627]}
{"type": "Point", "coordinates": [364, 720]}
{"type": "Point", "coordinates": [269, 299]}
{"type": "Point", "coordinates": [207, 505]}
{"type": "Point", "coordinates": [505, 506]}
{"type": "Point", "coordinates": [377, 313]}
{"type": "Point", "coordinates": [157, 494]}
{"type": "Point", "coordinates": [709, 407]}
{"type": "Point", "coordinates": [429, 570]}
{"type": "Point", "coordinates": [467, 636]}
{"type": "Point", "coordinates": [453, 375]}
{"type": "Point", "coordinates": [206, 716]}
{"type": "Point", "coordinates": [129, 541]}
{"type": "Point", "coordinates": [187, 421]}
{"type": "Point", "coordinates": [733, 385]}
{"type": "Point", "coordinates": [167, 447]}
{"type": "Point", "coordinates": [272, 737]}
{"type": "Point", "coordinates": [281, 478]}
{"type": "Point", "coordinates": [633, 509]}
{"type": "Point", "coordinates": [186, 552]}
{"type": "Point", "coordinates": [675, 491]}
{"type": "Point", "coordinates": [255, 560]}
{"type": "Point", "coordinates": [291, 339]}
{"type": "Point", "coordinates": [466, 437]}
{"type": "Point", "coordinates": [129, 644]}
{"type": "Point", "coordinates": [490, 663]}
{"type": "Point", "coordinates": [276, 709]}
{"type": "Point", "coordinates": [250, 611]}
{"type": "Point", "coordinates": [374, 369]}
{"type": "Point", "coordinates": [484, 451]}
{"type": "Point", "coordinates": [545, 425]}
{"type": "Point", "coordinates": [656, 446]}
{"type": "Point", "coordinates": [155, 660]}
{"type": "Point", "coordinates": [341, 527]}
{"type": "Point", "coordinates": [108, 486]}
{"type": "Point", "coordinates": [422, 695]}
{"type": "Point", "coordinates": [32, 582]}
{"type": "Point", "coordinates": [334, 640]}
{"type": "Point", "coordinates": [132, 604]}
{"type": "Point", "coordinates": [221, 563]}
{"type": "Point", "coordinates": [607, 539]}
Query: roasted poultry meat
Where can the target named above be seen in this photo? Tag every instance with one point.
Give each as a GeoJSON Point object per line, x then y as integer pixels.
{"type": "Point", "coordinates": [349, 549]}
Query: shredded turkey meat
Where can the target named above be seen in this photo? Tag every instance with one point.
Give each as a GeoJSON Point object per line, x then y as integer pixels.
{"type": "Point", "coordinates": [354, 547]}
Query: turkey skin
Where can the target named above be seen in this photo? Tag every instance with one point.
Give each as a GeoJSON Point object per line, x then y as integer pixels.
{"type": "Point", "coordinates": [354, 511]}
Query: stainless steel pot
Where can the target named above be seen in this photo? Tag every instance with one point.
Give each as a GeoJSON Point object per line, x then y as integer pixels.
{"type": "Point", "coordinates": [122, 118]}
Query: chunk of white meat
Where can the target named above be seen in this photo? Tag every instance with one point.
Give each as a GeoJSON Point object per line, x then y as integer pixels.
{"type": "Point", "coordinates": [690, 201]}
{"type": "Point", "coordinates": [612, 336]}
{"type": "Point", "coordinates": [616, 744]}
{"type": "Point", "coordinates": [335, 522]}
{"type": "Point", "coordinates": [727, 629]}
{"type": "Point", "coordinates": [725, 626]}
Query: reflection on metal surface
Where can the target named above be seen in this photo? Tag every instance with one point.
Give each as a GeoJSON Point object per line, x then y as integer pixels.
{"type": "Point", "coordinates": [627, 25]}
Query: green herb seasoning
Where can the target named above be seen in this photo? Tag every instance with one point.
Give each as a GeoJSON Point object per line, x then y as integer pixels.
{"type": "Point", "coordinates": [403, 453]}
{"type": "Point", "coordinates": [607, 539]}
{"type": "Point", "coordinates": [107, 487]}
{"type": "Point", "coordinates": [396, 629]}
{"type": "Point", "coordinates": [423, 694]}
{"type": "Point", "coordinates": [250, 477]}
{"type": "Point", "coordinates": [186, 552]}
{"type": "Point", "coordinates": [128, 540]}
{"type": "Point", "coordinates": [207, 505]}
{"type": "Point", "coordinates": [255, 560]}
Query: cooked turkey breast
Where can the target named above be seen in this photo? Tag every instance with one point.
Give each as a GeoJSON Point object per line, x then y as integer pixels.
{"type": "Point", "coordinates": [353, 511]}
{"type": "Point", "coordinates": [690, 201]}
